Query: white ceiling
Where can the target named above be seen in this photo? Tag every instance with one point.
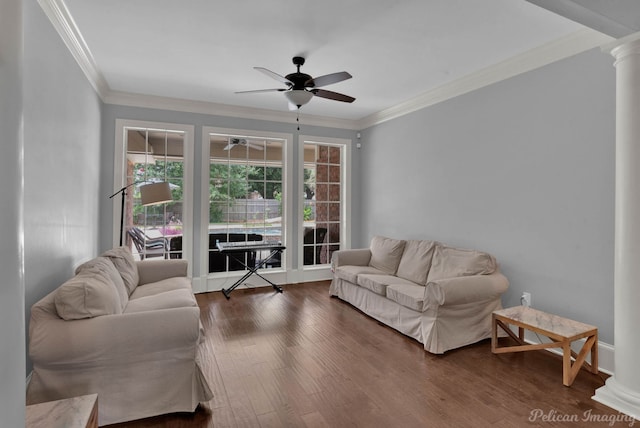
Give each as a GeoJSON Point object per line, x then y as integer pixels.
{"type": "Point", "coordinates": [205, 50]}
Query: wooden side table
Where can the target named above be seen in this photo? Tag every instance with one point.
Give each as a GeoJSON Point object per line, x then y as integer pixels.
{"type": "Point", "coordinates": [76, 412]}
{"type": "Point", "coordinates": [561, 331]}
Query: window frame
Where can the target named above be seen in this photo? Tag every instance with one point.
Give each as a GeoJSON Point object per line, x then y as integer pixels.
{"type": "Point", "coordinates": [119, 178]}
{"type": "Point", "coordinates": [320, 272]}
{"type": "Point", "coordinates": [217, 280]}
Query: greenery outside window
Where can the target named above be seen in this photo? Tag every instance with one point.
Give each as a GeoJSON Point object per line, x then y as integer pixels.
{"type": "Point", "coordinates": [245, 195]}
{"type": "Point", "coordinates": [145, 153]}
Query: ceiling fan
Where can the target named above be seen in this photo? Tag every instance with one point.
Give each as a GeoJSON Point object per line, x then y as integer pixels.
{"type": "Point", "coordinates": [301, 87]}
{"type": "Point", "coordinates": [233, 142]}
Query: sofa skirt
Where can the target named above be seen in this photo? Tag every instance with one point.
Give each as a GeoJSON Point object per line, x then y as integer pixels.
{"type": "Point", "coordinates": [405, 320]}
{"type": "Point", "coordinates": [438, 328]}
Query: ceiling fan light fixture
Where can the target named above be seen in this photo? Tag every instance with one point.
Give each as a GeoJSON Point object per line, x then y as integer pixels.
{"type": "Point", "coordinates": [301, 87]}
{"type": "Point", "coordinates": [299, 97]}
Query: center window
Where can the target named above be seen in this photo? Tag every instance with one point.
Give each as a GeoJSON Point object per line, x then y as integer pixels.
{"type": "Point", "coordinates": [245, 196]}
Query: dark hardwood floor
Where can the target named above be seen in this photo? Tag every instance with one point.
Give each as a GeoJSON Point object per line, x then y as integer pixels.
{"type": "Point", "coordinates": [304, 359]}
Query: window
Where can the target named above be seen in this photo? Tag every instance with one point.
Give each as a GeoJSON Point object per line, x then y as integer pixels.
{"type": "Point", "coordinates": [145, 155]}
{"type": "Point", "coordinates": [245, 180]}
{"type": "Point", "coordinates": [324, 194]}
{"type": "Point", "coordinates": [245, 195]}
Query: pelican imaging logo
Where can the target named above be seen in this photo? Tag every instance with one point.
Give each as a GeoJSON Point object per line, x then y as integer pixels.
{"type": "Point", "coordinates": [588, 416]}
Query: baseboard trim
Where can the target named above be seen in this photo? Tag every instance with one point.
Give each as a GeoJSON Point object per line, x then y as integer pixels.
{"type": "Point", "coordinates": [619, 398]}
{"type": "Point", "coordinates": [217, 283]}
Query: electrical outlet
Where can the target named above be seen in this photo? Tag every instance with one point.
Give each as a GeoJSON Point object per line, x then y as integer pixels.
{"type": "Point", "coordinates": [525, 299]}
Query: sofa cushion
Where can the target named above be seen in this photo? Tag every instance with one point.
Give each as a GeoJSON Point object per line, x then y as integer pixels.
{"type": "Point", "coordinates": [408, 295]}
{"type": "Point", "coordinates": [105, 265]}
{"type": "Point", "coordinates": [376, 283]}
{"type": "Point", "coordinates": [180, 298]}
{"type": "Point", "coordinates": [416, 261]}
{"type": "Point", "coordinates": [175, 283]}
{"type": "Point", "coordinates": [86, 295]}
{"type": "Point", "coordinates": [350, 272]}
{"type": "Point", "coordinates": [449, 262]}
{"type": "Point", "coordinates": [379, 283]}
{"type": "Point", "coordinates": [122, 259]}
{"type": "Point", "coordinates": [386, 254]}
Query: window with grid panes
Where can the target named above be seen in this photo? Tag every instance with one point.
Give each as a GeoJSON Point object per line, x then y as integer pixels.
{"type": "Point", "coordinates": [245, 195]}
{"type": "Point", "coordinates": [154, 155]}
{"type": "Point", "coordinates": [322, 209]}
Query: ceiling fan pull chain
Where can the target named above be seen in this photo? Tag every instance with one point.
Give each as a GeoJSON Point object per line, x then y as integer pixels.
{"type": "Point", "coordinates": [298, 117]}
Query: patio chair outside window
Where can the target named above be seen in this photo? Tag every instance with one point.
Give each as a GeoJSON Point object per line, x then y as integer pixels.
{"type": "Point", "coordinates": [148, 247]}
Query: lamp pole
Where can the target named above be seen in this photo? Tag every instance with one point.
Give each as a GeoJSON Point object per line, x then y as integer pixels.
{"type": "Point", "coordinates": [123, 191]}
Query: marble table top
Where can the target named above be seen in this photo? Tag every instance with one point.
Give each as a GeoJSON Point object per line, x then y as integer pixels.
{"type": "Point", "coordinates": [554, 324]}
{"type": "Point", "coordinates": [68, 413]}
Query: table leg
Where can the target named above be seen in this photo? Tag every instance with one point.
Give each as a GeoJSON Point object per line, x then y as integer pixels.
{"type": "Point", "coordinates": [494, 333]}
{"type": "Point", "coordinates": [594, 354]}
{"type": "Point", "coordinates": [590, 346]}
{"type": "Point", "coordinates": [566, 363]}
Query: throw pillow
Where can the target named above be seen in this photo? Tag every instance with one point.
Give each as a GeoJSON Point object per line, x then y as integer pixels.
{"type": "Point", "coordinates": [122, 259]}
{"type": "Point", "coordinates": [449, 262]}
{"type": "Point", "coordinates": [105, 266]}
{"type": "Point", "coordinates": [386, 254]}
{"type": "Point", "coordinates": [88, 294]}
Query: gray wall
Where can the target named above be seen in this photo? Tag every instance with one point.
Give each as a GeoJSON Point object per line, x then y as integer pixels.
{"type": "Point", "coordinates": [61, 160]}
{"type": "Point", "coordinates": [113, 112]}
{"type": "Point", "coordinates": [523, 169]}
{"type": "Point", "coordinates": [12, 364]}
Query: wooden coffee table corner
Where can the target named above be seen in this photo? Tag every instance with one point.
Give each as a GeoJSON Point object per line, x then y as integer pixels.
{"type": "Point", "coordinates": [561, 331]}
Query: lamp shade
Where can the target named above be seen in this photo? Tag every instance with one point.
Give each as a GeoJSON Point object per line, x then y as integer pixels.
{"type": "Point", "coordinates": [299, 97]}
{"type": "Point", "coordinates": [155, 193]}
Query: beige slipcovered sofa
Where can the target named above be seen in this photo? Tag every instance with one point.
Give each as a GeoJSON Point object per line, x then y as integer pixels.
{"type": "Point", "coordinates": [439, 295]}
{"type": "Point", "coordinates": [126, 330]}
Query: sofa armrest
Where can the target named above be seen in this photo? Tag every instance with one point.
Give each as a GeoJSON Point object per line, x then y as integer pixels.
{"type": "Point", "coordinates": [104, 340]}
{"type": "Point", "coordinates": [465, 289]}
{"type": "Point", "coordinates": [157, 270]}
{"type": "Point", "coordinates": [353, 257]}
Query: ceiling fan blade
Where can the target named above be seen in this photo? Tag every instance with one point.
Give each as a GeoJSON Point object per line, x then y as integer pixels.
{"type": "Point", "coordinates": [327, 79]}
{"type": "Point", "coordinates": [332, 95]}
{"type": "Point", "coordinates": [262, 90]}
{"type": "Point", "coordinates": [254, 144]}
{"type": "Point", "coordinates": [274, 76]}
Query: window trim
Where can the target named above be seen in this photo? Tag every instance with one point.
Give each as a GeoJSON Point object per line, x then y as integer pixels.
{"type": "Point", "coordinates": [319, 272]}
{"type": "Point", "coordinates": [119, 162]}
{"type": "Point", "coordinates": [217, 281]}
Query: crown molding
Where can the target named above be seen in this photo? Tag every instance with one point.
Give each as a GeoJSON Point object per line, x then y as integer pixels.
{"type": "Point", "coordinates": [58, 14]}
{"type": "Point", "coordinates": [572, 44]}
{"type": "Point", "coordinates": [624, 46]}
{"type": "Point", "coordinates": [576, 11]}
{"type": "Point", "coordinates": [564, 47]}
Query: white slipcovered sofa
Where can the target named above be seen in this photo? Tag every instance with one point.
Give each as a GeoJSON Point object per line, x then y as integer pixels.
{"type": "Point", "coordinates": [439, 295]}
{"type": "Point", "coordinates": [126, 330]}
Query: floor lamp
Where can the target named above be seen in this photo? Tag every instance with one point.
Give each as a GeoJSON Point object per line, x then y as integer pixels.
{"type": "Point", "coordinates": [150, 194]}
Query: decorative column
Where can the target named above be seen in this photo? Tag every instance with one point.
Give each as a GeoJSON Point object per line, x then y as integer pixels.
{"type": "Point", "coordinates": [622, 390]}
